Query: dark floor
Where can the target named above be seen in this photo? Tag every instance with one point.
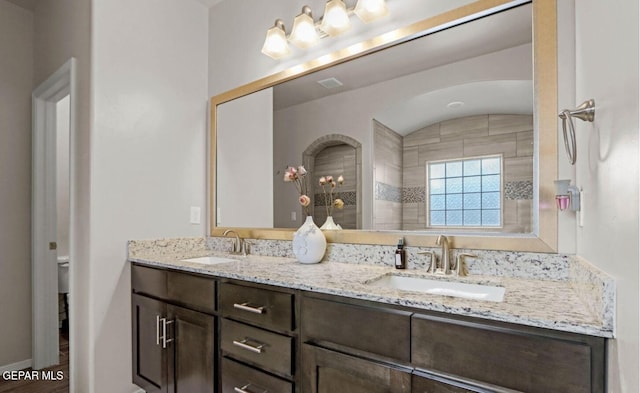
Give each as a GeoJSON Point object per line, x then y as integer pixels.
{"type": "Point", "coordinates": [61, 386]}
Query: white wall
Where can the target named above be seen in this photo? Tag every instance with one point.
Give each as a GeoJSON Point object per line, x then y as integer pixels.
{"type": "Point", "coordinates": [352, 113]}
{"type": "Point", "coordinates": [237, 30]}
{"type": "Point", "coordinates": [147, 154]}
{"type": "Point", "coordinates": [244, 129]}
{"type": "Point", "coordinates": [16, 83]}
{"type": "Point", "coordinates": [62, 31]}
{"type": "Point", "coordinates": [62, 176]}
{"type": "Point", "coordinates": [607, 165]}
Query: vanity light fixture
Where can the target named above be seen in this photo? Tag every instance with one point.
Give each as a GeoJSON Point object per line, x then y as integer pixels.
{"type": "Point", "coordinates": [336, 18]}
{"type": "Point", "coordinates": [275, 45]}
{"type": "Point", "coordinates": [370, 10]}
{"type": "Point", "coordinates": [305, 32]}
{"type": "Point", "coordinates": [567, 196]}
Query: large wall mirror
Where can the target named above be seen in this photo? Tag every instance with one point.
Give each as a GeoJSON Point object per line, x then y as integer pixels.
{"type": "Point", "coordinates": [445, 126]}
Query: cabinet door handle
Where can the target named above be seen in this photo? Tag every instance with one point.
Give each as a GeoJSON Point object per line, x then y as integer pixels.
{"type": "Point", "coordinates": [245, 387]}
{"type": "Point", "coordinates": [243, 344]}
{"type": "Point", "coordinates": [165, 340]}
{"type": "Point", "coordinates": [157, 329]}
{"type": "Point", "coordinates": [246, 307]}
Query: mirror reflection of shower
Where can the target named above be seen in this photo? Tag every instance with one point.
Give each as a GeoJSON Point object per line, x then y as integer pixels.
{"type": "Point", "coordinates": [62, 204]}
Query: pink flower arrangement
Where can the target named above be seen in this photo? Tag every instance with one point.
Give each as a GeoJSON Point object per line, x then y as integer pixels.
{"type": "Point", "coordinates": [297, 177]}
{"type": "Point", "coordinates": [333, 185]}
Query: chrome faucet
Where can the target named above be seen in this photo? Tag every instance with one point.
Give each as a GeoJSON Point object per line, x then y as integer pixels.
{"type": "Point", "coordinates": [238, 246]}
{"type": "Point", "coordinates": [445, 258]}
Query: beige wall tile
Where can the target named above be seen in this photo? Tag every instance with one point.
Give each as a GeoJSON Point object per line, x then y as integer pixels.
{"type": "Point", "coordinates": [498, 144]}
{"type": "Point", "coordinates": [440, 151]}
{"type": "Point", "coordinates": [410, 157]}
{"type": "Point", "coordinates": [518, 169]}
{"type": "Point", "coordinates": [464, 125]}
{"type": "Point", "coordinates": [427, 135]}
{"type": "Point", "coordinates": [524, 144]}
{"type": "Point", "coordinates": [414, 177]}
{"type": "Point", "coordinates": [504, 124]}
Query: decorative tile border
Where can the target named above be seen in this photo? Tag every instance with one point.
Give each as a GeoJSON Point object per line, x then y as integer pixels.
{"type": "Point", "coordinates": [348, 197]}
{"type": "Point", "coordinates": [517, 190]}
{"type": "Point", "coordinates": [414, 194]}
{"type": "Point", "coordinates": [386, 192]}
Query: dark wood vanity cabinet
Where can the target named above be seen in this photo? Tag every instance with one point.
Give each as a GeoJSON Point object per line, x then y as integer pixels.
{"type": "Point", "coordinates": [258, 342]}
{"type": "Point", "coordinates": [199, 334]}
{"type": "Point", "coordinates": [519, 358]}
{"type": "Point", "coordinates": [174, 341]}
{"type": "Point", "coordinates": [360, 344]}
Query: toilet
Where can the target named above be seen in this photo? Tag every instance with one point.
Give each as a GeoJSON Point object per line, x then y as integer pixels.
{"type": "Point", "coordinates": [63, 292]}
{"type": "Point", "coordinates": [63, 274]}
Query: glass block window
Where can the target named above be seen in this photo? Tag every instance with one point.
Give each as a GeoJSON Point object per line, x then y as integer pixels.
{"type": "Point", "coordinates": [465, 192]}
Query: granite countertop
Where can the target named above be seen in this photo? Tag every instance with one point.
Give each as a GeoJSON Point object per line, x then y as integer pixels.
{"type": "Point", "coordinates": [552, 304]}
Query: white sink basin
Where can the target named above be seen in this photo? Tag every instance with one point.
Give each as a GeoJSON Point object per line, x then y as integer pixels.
{"type": "Point", "coordinates": [438, 287]}
{"type": "Point", "coordinates": [210, 260]}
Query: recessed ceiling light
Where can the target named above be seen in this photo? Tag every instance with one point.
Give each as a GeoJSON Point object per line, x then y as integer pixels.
{"type": "Point", "coordinates": [330, 83]}
{"type": "Point", "coordinates": [455, 104]}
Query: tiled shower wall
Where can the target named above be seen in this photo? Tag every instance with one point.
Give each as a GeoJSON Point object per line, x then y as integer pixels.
{"type": "Point", "coordinates": [387, 172]}
{"type": "Point", "coordinates": [335, 161]}
{"type": "Point", "coordinates": [509, 135]}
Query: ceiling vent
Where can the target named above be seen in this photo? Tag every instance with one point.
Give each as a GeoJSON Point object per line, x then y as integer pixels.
{"type": "Point", "coordinates": [330, 83]}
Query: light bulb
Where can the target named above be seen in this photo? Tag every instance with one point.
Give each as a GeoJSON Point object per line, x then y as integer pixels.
{"type": "Point", "coordinates": [336, 18]}
{"type": "Point", "coordinates": [303, 32]}
{"type": "Point", "coordinates": [275, 44]}
{"type": "Point", "coordinates": [369, 10]}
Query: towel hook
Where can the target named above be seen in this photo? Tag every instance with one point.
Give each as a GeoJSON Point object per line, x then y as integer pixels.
{"type": "Point", "coordinates": [585, 112]}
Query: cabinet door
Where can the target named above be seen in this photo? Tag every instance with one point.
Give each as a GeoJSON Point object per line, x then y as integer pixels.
{"type": "Point", "coordinates": [191, 351]}
{"type": "Point", "coordinates": [325, 371]}
{"type": "Point", "coordinates": [149, 359]}
{"type": "Point", "coordinates": [501, 356]}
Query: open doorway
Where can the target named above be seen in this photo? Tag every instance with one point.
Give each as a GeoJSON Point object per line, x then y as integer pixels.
{"type": "Point", "coordinates": [52, 231]}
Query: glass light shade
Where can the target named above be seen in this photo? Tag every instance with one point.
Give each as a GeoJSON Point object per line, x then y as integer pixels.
{"type": "Point", "coordinates": [336, 18]}
{"type": "Point", "coordinates": [369, 10]}
{"type": "Point", "coordinates": [276, 45]}
{"type": "Point", "coordinates": [303, 33]}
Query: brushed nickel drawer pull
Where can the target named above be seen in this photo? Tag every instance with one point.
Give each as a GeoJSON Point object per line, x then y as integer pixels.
{"type": "Point", "coordinates": [165, 340]}
{"type": "Point", "coordinates": [246, 307]}
{"type": "Point", "coordinates": [245, 387]}
{"type": "Point", "coordinates": [243, 344]}
{"type": "Point", "coordinates": [157, 329]}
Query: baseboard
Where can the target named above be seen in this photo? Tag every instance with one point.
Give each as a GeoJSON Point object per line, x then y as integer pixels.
{"type": "Point", "coordinates": [16, 366]}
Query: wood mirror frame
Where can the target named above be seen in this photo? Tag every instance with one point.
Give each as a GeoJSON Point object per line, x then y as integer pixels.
{"type": "Point", "coordinates": [545, 236]}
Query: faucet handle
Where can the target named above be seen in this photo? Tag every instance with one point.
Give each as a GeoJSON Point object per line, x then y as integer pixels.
{"type": "Point", "coordinates": [432, 263]}
{"type": "Point", "coordinates": [461, 267]}
{"type": "Point", "coordinates": [246, 247]}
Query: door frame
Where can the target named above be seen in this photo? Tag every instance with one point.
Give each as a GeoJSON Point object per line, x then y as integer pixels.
{"type": "Point", "coordinates": [44, 266]}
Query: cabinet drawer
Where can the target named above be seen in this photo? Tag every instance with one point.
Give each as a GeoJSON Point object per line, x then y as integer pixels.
{"type": "Point", "coordinates": [193, 291]}
{"type": "Point", "coordinates": [240, 378]}
{"type": "Point", "coordinates": [265, 349]}
{"type": "Point", "coordinates": [376, 330]}
{"type": "Point", "coordinates": [266, 308]}
{"type": "Point", "coordinates": [529, 363]}
{"type": "Point", "coordinates": [149, 281]}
